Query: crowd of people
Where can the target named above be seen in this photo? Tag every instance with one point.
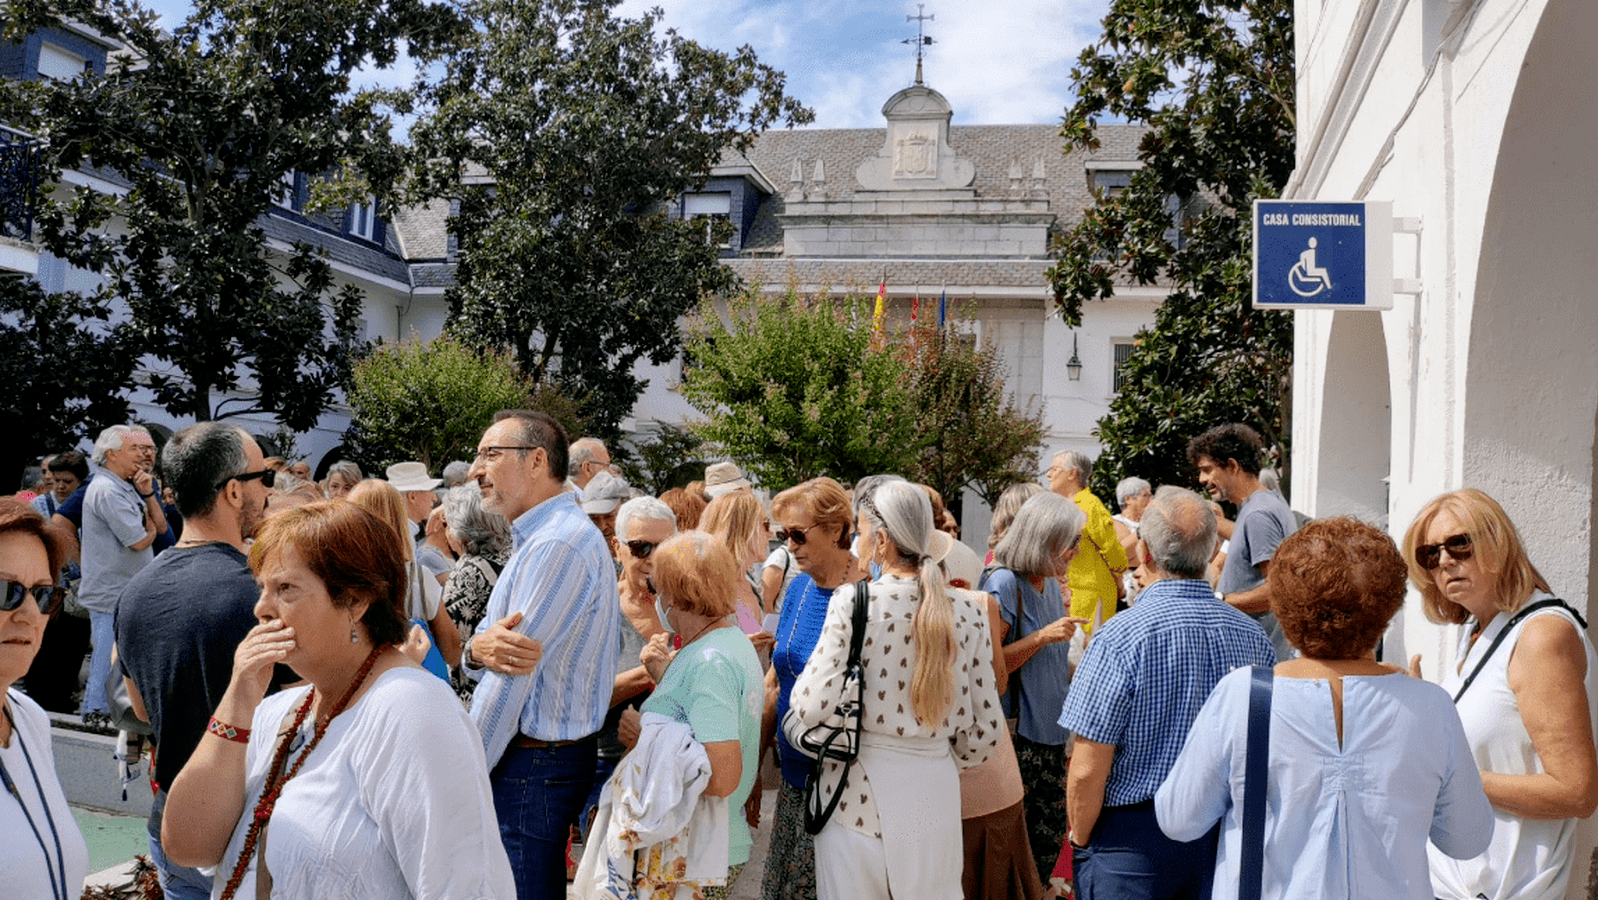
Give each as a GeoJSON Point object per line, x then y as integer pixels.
{"type": "Point", "coordinates": [526, 678]}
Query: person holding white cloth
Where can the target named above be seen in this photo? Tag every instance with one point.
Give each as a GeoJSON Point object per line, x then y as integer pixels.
{"type": "Point", "coordinates": [931, 709]}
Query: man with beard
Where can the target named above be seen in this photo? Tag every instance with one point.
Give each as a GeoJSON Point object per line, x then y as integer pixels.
{"type": "Point", "coordinates": [181, 618]}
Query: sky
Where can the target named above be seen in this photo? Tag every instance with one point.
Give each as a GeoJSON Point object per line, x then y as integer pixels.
{"type": "Point", "coordinates": [999, 62]}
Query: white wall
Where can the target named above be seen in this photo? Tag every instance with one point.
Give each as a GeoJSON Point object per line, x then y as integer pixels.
{"type": "Point", "coordinates": [1475, 117]}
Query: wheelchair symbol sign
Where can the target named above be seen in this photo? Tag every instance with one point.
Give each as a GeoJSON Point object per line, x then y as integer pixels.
{"type": "Point", "coordinates": [1307, 279]}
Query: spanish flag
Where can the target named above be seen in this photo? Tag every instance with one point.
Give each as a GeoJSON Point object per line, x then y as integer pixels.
{"type": "Point", "coordinates": [882, 305]}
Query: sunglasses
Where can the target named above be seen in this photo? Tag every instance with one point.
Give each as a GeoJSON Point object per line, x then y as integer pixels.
{"type": "Point", "coordinates": [12, 594]}
{"type": "Point", "coordinates": [1458, 546]}
{"type": "Point", "coordinates": [268, 478]}
{"type": "Point", "coordinates": [797, 535]}
{"type": "Point", "coordinates": [641, 549]}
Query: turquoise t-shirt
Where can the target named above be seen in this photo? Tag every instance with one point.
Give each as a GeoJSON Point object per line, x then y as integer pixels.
{"type": "Point", "coordinates": [715, 687]}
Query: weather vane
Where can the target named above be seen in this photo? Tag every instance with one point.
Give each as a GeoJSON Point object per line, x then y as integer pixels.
{"type": "Point", "coordinates": [920, 40]}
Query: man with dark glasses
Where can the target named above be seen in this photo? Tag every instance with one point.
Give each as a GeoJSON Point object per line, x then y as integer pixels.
{"type": "Point", "coordinates": [219, 477]}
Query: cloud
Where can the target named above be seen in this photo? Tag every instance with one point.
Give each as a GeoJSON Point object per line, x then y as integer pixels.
{"type": "Point", "coordinates": [998, 61]}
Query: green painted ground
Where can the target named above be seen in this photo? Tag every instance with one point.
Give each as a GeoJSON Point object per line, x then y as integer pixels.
{"type": "Point", "coordinates": [112, 839]}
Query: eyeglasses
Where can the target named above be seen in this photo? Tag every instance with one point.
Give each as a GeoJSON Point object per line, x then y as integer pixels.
{"type": "Point", "coordinates": [12, 593]}
{"type": "Point", "coordinates": [797, 535]}
{"type": "Point", "coordinates": [490, 454]}
{"type": "Point", "coordinates": [1458, 546]}
{"type": "Point", "coordinates": [641, 549]}
{"type": "Point", "coordinates": [268, 478]}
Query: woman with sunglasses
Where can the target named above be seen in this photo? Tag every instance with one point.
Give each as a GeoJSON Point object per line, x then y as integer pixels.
{"type": "Point", "coordinates": [45, 855]}
{"type": "Point", "coordinates": [642, 524]}
{"type": "Point", "coordinates": [1523, 690]}
{"type": "Point", "coordinates": [813, 520]}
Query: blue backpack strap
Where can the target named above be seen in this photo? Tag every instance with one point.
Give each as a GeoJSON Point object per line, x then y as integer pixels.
{"type": "Point", "coordinates": [1252, 874]}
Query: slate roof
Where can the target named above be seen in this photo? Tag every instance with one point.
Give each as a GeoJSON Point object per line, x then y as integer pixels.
{"type": "Point", "coordinates": [368, 257]}
{"type": "Point", "coordinates": [992, 149]}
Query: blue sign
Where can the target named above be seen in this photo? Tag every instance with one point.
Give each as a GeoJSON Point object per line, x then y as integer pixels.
{"type": "Point", "coordinates": [1322, 255]}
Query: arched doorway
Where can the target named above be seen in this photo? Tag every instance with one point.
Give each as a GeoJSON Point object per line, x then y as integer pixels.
{"type": "Point", "coordinates": [1356, 421]}
{"type": "Point", "coordinates": [1531, 386]}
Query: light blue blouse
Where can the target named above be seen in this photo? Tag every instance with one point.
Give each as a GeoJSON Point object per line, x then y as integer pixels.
{"type": "Point", "coordinates": [1343, 820]}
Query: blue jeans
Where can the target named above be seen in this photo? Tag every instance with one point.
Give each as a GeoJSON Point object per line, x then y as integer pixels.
{"type": "Point", "coordinates": [1128, 857]}
{"type": "Point", "coordinates": [177, 882]}
{"type": "Point", "coordinates": [102, 633]}
{"type": "Point", "coordinates": [538, 793]}
{"type": "Point", "coordinates": [603, 769]}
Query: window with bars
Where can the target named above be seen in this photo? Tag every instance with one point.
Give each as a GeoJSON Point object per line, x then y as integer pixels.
{"type": "Point", "coordinates": [1122, 352]}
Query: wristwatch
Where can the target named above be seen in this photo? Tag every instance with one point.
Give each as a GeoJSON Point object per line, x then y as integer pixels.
{"type": "Point", "coordinates": [467, 661]}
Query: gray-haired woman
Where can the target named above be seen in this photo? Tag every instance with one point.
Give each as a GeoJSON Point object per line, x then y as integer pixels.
{"type": "Point", "coordinates": [1035, 550]}
{"type": "Point", "coordinates": [481, 541]}
{"type": "Point", "coordinates": [342, 477]}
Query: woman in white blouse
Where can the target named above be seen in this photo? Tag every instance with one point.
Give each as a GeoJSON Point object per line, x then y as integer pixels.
{"type": "Point", "coordinates": [1365, 762]}
{"type": "Point", "coordinates": [371, 782]}
{"type": "Point", "coordinates": [931, 708]}
{"type": "Point", "coordinates": [44, 854]}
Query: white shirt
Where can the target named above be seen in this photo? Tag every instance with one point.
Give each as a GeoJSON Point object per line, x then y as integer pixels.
{"type": "Point", "coordinates": [393, 803]}
{"type": "Point", "coordinates": [1528, 858]}
{"type": "Point", "coordinates": [1345, 819]}
{"type": "Point", "coordinates": [23, 870]}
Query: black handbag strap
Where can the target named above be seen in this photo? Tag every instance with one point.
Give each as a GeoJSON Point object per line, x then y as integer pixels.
{"type": "Point", "coordinates": [857, 630]}
{"type": "Point", "coordinates": [1251, 877]}
{"type": "Point", "coordinates": [1508, 626]}
{"type": "Point", "coordinates": [817, 815]}
{"type": "Point", "coordinates": [1010, 701]}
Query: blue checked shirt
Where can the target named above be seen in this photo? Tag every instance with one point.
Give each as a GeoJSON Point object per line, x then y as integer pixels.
{"type": "Point", "coordinates": [562, 579]}
{"type": "Point", "coordinates": [1147, 672]}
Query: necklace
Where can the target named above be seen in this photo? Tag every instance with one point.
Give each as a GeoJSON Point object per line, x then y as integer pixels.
{"type": "Point", "coordinates": [273, 788]}
{"type": "Point", "coordinates": [813, 589]}
{"type": "Point", "coordinates": [57, 869]}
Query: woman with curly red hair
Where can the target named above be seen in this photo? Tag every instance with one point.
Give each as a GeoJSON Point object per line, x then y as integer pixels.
{"type": "Point", "coordinates": [1365, 762]}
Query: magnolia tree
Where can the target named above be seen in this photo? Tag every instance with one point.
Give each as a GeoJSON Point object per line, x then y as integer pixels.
{"type": "Point", "coordinates": [1214, 83]}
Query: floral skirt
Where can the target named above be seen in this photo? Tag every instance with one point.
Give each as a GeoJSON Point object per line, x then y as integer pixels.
{"type": "Point", "coordinates": [791, 862]}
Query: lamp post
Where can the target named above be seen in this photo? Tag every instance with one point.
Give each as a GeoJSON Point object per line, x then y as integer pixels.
{"type": "Point", "coordinates": [1073, 366]}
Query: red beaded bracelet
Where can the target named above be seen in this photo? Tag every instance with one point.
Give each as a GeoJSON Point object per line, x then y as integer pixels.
{"type": "Point", "coordinates": [228, 732]}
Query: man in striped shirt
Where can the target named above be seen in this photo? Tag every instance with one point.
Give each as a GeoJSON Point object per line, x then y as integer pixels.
{"type": "Point", "coordinates": [545, 650]}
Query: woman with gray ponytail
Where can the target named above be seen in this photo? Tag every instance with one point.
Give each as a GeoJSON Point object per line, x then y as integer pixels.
{"type": "Point", "coordinates": [931, 709]}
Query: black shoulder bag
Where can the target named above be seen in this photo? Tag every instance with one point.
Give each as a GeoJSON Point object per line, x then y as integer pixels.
{"type": "Point", "coordinates": [1515, 620]}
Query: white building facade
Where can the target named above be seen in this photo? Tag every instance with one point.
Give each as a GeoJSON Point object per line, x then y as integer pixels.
{"type": "Point", "coordinates": [1478, 118]}
{"type": "Point", "coordinates": [930, 208]}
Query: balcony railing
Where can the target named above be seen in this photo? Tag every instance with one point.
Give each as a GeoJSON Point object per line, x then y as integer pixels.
{"type": "Point", "coordinates": [19, 182]}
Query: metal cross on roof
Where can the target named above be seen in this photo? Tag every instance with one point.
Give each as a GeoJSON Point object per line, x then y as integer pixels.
{"type": "Point", "coordinates": [920, 40]}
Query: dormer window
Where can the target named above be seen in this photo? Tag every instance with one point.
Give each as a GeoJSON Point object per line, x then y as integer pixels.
{"type": "Point", "coordinates": [59, 63]}
{"type": "Point", "coordinates": [363, 218]}
{"type": "Point", "coordinates": [286, 192]}
{"type": "Point", "coordinates": [710, 207]}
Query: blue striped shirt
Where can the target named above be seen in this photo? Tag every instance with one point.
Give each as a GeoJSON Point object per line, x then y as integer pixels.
{"type": "Point", "coordinates": [1146, 674]}
{"type": "Point", "coordinates": [562, 580]}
